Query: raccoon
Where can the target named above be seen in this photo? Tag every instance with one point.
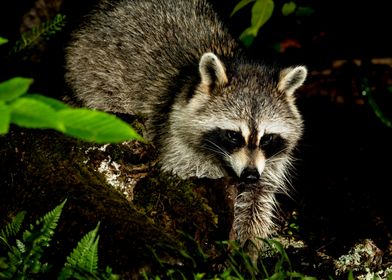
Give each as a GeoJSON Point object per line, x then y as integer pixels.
{"type": "Point", "coordinates": [211, 111]}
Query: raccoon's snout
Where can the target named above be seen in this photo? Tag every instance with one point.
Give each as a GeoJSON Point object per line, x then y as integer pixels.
{"type": "Point", "coordinates": [250, 175]}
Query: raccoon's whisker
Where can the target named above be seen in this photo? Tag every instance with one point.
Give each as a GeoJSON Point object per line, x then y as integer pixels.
{"type": "Point", "coordinates": [277, 156]}
{"type": "Point", "coordinates": [219, 149]}
{"type": "Point", "coordinates": [214, 150]}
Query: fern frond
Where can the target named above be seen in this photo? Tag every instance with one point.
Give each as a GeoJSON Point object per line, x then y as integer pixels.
{"type": "Point", "coordinates": [85, 255]}
{"type": "Point", "coordinates": [44, 30]}
{"type": "Point", "coordinates": [21, 246]}
{"type": "Point", "coordinates": [34, 242]}
{"type": "Point", "coordinates": [11, 229]}
{"type": "Point", "coordinates": [11, 263]}
{"type": "Point", "coordinates": [49, 223]}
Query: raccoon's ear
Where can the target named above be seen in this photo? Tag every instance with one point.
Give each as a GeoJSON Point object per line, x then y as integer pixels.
{"type": "Point", "coordinates": [212, 70]}
{"type": "Point", "coordinates": [292, 78]}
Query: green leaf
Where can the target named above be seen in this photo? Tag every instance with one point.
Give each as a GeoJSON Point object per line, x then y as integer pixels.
{"type": "Point", "coordinates": [350, 275]}
{"type": "Point", "coordinates": [31, 113]}
{"type": "Point", "coordinates": [3, 40]}
{"type": "Point", "coordinates": [85, 255]}
{"type": "Point", "coordinates": [261, 13]}
{"type": "Point", "coordinates": [288, 8]}
{"type": "Point", "coordinates": [39, 32]}
{"type": "Point", "coordinates": [246, 37]}
{"type": "Point", "coordinates": [13, 88]}
{"type": "Point", "coordinates": [96, 126]}
{"type": "Point", "coordinates": [241, 5]}
{"type": "Point", "coordinates": [53, 103]}
{"type": "Point", "coordinates": [47, 224]}
{"type": "Point", "coordinates": [5, 118]}
{"type": "Point", "coordinates": [11, 229]}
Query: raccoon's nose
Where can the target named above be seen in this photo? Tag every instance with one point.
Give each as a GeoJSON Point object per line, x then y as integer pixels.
{"type": "Point", "coordinates": [250, 175]}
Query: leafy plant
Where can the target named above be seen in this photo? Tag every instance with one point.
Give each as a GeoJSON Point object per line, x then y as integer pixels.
{"type": "Point", "coordinates": [82, 263]}
{"type": "Point", "coordinates": [38, 111]}
{"type": "Point", "coordinates": [3, 41]}
{"type": "Point", "coordinates": [22, 260]}
{"type": "Point", "coordinates": [11, 229]}
{"type": "Point", "coordinates": [261, 12]}
{"type": "Point", "coordinates": [24, 257]}
{"type": "Point", "coordinates": [44, 30]}
{"type": "Point", "coordinates": [232, 263]}
{"type": "Point", "coordinates": [367, 92]}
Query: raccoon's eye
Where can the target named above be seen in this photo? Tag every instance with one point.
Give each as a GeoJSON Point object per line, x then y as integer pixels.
{"type": "Point", "coordinates": [272, 144]}
{"type": "Point", "coordinates": [267, 139]}
{"type": "Point", "coordinates": [234, 137]}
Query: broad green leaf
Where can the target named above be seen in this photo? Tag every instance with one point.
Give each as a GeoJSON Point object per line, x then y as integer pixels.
{"type": "Point", "coordinates": [96, 126]}
{"type": "Point", "coordinates": [240, 5]}
{"type": "Point", "coordinates": [54, 103]}
{"type": "Point", "coordinates": [288, 8]}
{"type": "Point", "coordinates": [5, 118]}
{"type": "Point", "coordinates": [261, 13]}
{"type": "Point", "coordinates": [13, 88]}
{"type": "Point", "coordinates": [31, 113]}
{"type": "Point", "coordinates": [3, 40]}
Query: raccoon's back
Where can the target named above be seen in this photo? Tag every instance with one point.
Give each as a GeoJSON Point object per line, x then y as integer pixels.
{"type": "Point", "coordinates": [127, 54]}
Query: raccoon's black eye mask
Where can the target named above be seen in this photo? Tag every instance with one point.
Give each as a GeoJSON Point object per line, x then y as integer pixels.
{"type": "Point", "coordinates": [234, 137]}
{"type": "Point", "coordinates": [230, 140]}
{"type": "Point", "coordinates": [272, 144]}
{"type": "Point", "coordinates": [227, 140]}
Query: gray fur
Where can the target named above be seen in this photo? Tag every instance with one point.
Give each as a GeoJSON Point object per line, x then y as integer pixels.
{"type": "Point", "coordinates": [174, 63]}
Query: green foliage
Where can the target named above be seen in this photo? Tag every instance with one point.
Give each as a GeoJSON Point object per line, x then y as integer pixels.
{"type": "Point", "coordinates": [22, 260]}
{"type": "Point", "coordinates": [82, 263]}
{"type": "Point", "coordinates": [233, 264]}
{"type": "Point", "coordinates": [13, 88]}
{"type": "Point", "coordinates": [37, 111]}
{"type": "Point", "coordinates": [367, 92]}
{"type": "Point", "coordinates": [44, 30]}
{"type": "Point", "coordinates": [261, 12]}
{"type": "Point", "coordinates": [11, 230]}
{"type": "Point", "coordinates": [3, 41]}
{"type": "Point", "coordinates": [85, 255]}
{"type": "Point", "coordinates": [241, 5]}
{"type": "Point", "coordinates": [288, 8]}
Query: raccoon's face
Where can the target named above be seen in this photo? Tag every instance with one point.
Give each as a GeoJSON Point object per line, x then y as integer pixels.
{"type": "Point", "coordinates": [247, 121]}
{"type": "Point", "coordinates": [245, 153]}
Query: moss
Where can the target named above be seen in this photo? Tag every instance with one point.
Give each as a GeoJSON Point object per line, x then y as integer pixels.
{"type": "Point", "coordinates": [197, 208]}
{"type": "Point", "coordinates": [173, 203]}
{"type": "Point", "coordinates": [41, 168]}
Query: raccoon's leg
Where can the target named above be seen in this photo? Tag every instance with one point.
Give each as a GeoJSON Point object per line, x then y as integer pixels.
{"type": "Point", "coordinates": [253, 218]}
